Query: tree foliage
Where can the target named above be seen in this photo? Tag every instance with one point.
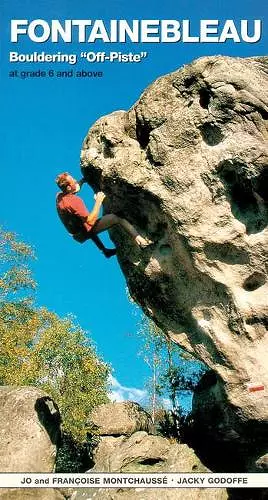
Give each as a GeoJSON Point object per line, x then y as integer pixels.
{"type": "Point", "coordinates": [41, 349]}
{"type": "Point", "coordinates": [175, 373]}
{"type": "Point", "coordinates": [15, 275]}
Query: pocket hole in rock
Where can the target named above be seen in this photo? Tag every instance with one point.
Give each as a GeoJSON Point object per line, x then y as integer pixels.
{"type": "Point", "coordinates": [254, 281]}
{"type": "Point", "coordinates": [165, 250]}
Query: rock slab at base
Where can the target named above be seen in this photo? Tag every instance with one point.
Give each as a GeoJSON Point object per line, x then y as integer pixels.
{"type": "Point", "coordinates": [142, 453]}
{"type": "Point", "coordinates": [29, 432]}
{"type": "Point", "coordinates": [31, 494]}
{"type": "Point", "coordinates": [115, 419]}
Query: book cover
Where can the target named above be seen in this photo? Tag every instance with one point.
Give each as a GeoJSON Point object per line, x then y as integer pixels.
{"type": "Point", "coordinates": [152, 120]}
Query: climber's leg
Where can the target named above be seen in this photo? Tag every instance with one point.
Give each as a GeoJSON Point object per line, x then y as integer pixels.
{"type": "Point", "coordinates": [108, 252]}
{"type": "Point", "coordinates": [110, 220]}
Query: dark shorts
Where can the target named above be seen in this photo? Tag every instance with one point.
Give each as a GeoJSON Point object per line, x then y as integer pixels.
{"type": "Point", "coordinates": [81, 237]}
{"type": "Point", "coordinates": [84, 235]}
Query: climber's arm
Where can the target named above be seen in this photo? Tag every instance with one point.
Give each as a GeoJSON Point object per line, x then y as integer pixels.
{"type": "Point", "coordinates": [93, 215]}
{"type": "Point", "coordinates": [79, 208]}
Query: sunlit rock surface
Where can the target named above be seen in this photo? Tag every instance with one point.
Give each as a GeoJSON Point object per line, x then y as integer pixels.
{"type": "Point", "coordinates": [139, 452]}
{"type": "Point", "coordinates": [29, 434]}
{"type": "Point", "coordinates": [187, 165]}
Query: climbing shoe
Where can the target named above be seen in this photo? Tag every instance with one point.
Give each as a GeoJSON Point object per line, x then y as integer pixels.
{"type": "Point", "coordinates": [109, 252]}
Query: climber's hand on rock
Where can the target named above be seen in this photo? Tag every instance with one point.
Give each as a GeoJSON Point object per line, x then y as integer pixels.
{"type": "Point", "coordinates": [82, 181]}
{"type": "Point", "coordinates": [99, 197]}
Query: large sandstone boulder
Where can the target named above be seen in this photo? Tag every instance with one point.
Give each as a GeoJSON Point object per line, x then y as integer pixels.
{"type": "Point", "coordinates": [188, 166]}
{"type": "Point", "coordinates": [29, 432]}
{"type": "Point", "coordinates": [115, 419]}
{"type": "Point", "coordinates": [229, 448]}
{"type": "Point", "coordinates": [152, 494]}
{"type": "Point", "coordinates": [142, 453]}
{"type": "Point", "coordinates": [31, 494]}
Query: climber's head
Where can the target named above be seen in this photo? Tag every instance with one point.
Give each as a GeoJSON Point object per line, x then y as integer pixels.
{"type": "Point", "coordinates": [67, 183]}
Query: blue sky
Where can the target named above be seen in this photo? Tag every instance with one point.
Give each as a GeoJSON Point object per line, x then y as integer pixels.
{"type": "Point", "coordinates": [44, 122]}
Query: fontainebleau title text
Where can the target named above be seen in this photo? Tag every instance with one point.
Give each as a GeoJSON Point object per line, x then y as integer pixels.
{"type": "Point", "coordinates": [136, 31]}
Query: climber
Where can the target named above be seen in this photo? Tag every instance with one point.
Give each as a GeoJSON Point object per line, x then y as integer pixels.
{"type": "Point", "coordinates": [84, 225]}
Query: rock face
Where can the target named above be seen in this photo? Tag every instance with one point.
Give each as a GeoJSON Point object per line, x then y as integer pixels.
{"type": "Point", "coordinates": [140, 453]}
{"type": "Point", "coordinates": [144, 453]}
{"type": "Point", "coordinates": [188, 166]}
{"type": "Point", "coordinates": [31, 494]}
{"type": "Point", "coordinates": [115, 419]}
{"type": "Point", "coordinates": [150, 494]}
{"type": "Point", "coordinates": [29, 432]}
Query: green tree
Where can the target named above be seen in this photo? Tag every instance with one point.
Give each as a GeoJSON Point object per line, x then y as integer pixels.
{"type": "Point", "coordinates": [174, 372]}
{"type": "Point", "coordinates": [41, 349]}
{"type": "Point", "coordinates": [15, 275]}
{"type": "Point", "coordinates": [153, 346]}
